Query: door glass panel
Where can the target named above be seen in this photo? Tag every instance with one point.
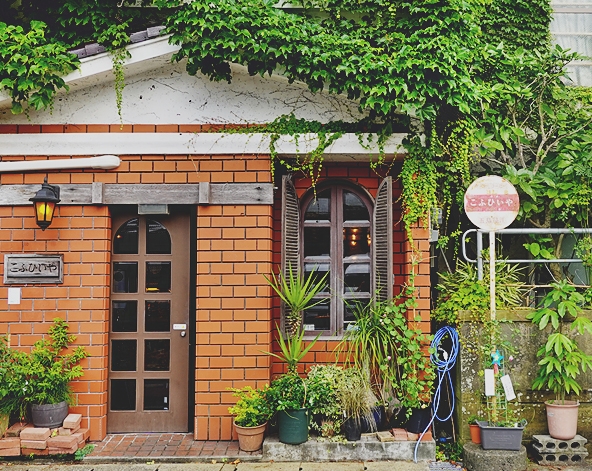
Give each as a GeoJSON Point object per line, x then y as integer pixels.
{"type": "Point", "coordinates": [158, 316]}
{"type": "Point", "coordinates": [123, 394]}
{"type": "Point", "coordinates": [125, 277]}
{"type": "Point", "coordinates": [317, 241]}
{"type": "Point", "coordinates": [320, 270]}
{"type": "Point", "coordinates": [158, 277]}
{"type": "Point", "coordinates": [157, 354]}
{"type": "Point", "coordinates": [356, 278]}
{"type": "Point", "coordinates": [124, 317]}
{"type": "Point", "coordinates": [356, 241]}
{"type": "Point", "coordinates": [123, 355]}
{"type": "Point", "coordinates": [156, 394]}
{"type": "Point", "coordinates": [158, 239]}
{"type": "Point", "coordinates": [126, 238]}
{"type": "Point", "coordinates": [319, 209]}
{"type": "Point", "coordinates": [317, 317]}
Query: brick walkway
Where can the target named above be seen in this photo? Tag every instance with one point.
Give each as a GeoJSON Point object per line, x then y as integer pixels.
{"type": "Point", "coordinates": [170, 445]}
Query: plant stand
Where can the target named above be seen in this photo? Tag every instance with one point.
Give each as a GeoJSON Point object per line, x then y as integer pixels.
{"type": "Point", "coordinates": [553, 452]}
{"type": "Point", "coordinates": [476, 458]}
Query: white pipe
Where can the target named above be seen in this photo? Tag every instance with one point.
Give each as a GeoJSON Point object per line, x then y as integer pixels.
{"type": "Point", "coordinates": [105, 162]}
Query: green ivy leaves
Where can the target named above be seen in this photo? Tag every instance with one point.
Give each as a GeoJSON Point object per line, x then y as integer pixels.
{"type": "Point", "coordinates": [32, 66]}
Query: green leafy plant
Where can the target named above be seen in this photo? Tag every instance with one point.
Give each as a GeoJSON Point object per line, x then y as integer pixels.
{"type": "Point", "coordinates": [43, 376]}
{"type": "Point", "coordinates": [292, 349]}
{"type": "Point", "coordinates": [297, 292]}
{"type": "Point", "coordinates": [287, 392]}
{"type": "Point", "coordinates": [561, 358]}
{"type": "Point", "coordinates": [84, 451]}
{"type": "Point", "coordinates": [323, 398]}
{"type": "Point", "coordinates": [252, 408]}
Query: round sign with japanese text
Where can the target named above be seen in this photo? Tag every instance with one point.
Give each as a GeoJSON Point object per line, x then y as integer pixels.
{"type": "Point", "coordinates": [491, 203]}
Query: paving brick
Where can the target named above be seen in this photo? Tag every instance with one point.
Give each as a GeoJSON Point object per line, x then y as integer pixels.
{"type": "Point", "coordinates": [85, 433]}
{"type": "Point", "coordinates": [80, 437]}
{"type": "Point", "coordinates": [385, 436]}
{"type": "Point", "coordinates": [58, 451]}
{"type": "Point", "coordinates": [10, 451]}
{"type": "Point", "coordinates": [15, 429]}
{"type": "Point", "coordinates": [399, 434]}
{"type": "Point", "coordinates": [33, 451]}
{"type": "Point", "coordinates": [72, 421]}
{"type": "Point", "coordinates": [10, 442]}
{"type": "Point", "coordinates": [62, 441]}
{"type": "Point", "coordinates": [35, 433]}
{"type": "Point", "coordinates": [34, 444]}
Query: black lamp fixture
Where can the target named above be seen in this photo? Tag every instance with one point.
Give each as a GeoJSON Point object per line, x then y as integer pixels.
{"type": "Point", "coordinates": [44, 202]}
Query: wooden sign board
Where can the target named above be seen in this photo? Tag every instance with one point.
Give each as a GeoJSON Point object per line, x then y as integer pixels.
{"type": "Point", "coordinates": [33, 268]}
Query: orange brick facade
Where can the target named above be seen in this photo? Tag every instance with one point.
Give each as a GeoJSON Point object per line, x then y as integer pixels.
{"type": "Point", "coordinates": [236, 245]}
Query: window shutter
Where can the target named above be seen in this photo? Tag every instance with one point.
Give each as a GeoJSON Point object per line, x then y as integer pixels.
{"type": "Point", "coordinates": [290, 231]}
{"type": "Point", "coordinates": [382, 241]}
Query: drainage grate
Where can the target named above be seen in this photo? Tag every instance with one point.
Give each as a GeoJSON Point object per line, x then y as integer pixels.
{"type": "Point", "coordinates": [445, 466]}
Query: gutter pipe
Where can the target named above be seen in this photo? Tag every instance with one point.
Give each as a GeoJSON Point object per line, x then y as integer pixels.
{"type": "Point", "coordinates": [104, 162]}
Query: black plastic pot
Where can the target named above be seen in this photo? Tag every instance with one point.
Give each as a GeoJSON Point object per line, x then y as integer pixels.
{"type": "Point", "coordinates": [49, 415]}
{"type": "Point", "coordinates": [419, 420]}
{"type": "Point", "coordinates": [352, 429]}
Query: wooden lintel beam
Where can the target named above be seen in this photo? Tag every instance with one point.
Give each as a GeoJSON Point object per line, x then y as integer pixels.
{"type": "Point", "coordinates": [218, 194]}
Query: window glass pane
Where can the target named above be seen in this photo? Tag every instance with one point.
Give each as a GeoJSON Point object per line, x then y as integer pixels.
{"type": "Point", "coordinates": [356, 278]}
{"type": "Point", "coordinates": [318, 317]}
{"type": "Point", "coordinates": [157, 354]}
{"type": "Point", "coordinates": [356, 241]}
{"type": "Point", "coordinates": [354, 208]}
{"type": "Point", "coordinates": [319, 209]}
{"type": "Point", "coordinates": [123, 355]}
{"type": "Point", "coordinates": [317, 241]}
{"type": "Point", "coordinates": [158, 277]}
{"type": "Point", "coordinates": [125, 277]}
{"type": "Point", "coordinates": [124, 316]}
{"type": "Point", "coordinates": [350, 309]}
{"type": "Point", "coordinates": [158, 239]}
{"type": "Point", "coordinates": [126, 238]}
{"type": "Point", "coordinates": [123, 394]}
{"type": "Point", "coordinates": [157, 316]}
{"type": "Point", "coordinates": [320, 270]}
{"type": "Point", "coordinates": [156, 394]}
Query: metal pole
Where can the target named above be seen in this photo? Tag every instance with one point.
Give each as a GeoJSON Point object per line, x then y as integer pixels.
{"type": "Point", "coordinates": [479, 255]}
{"type": "Point", "coordinates": [492, 274]}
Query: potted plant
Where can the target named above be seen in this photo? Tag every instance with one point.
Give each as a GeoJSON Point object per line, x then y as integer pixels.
{"type": "Point", "coordinates": [322, 399]}
{"type": "Point", "coordinates": [41, 378]}
{"type": "Point", "coordinates": [287, 393]}
{"type": "Point", "coordinates": [251, 413]}
{"type": "Point", "coordinates": [356, 398]}
{"type": "Point", "coordinates": [474, 429]}
{"type": "Point", "coordinates": [561, 358]}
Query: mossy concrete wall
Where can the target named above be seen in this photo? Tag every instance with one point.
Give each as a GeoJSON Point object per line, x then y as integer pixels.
{"type": "Point", "coordinates": [526, 339]}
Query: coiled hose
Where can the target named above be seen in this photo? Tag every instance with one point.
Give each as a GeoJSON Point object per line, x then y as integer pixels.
{"type": "Point", "coordinates": [443, 368]}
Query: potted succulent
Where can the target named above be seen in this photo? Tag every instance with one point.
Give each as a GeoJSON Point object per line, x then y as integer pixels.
{"type": "Point", "coordinates": [41, 379]}
{"type": "Point", "coordinates": [251, 413]}
{"type": "Point", "coordinates": [287, 393]}
{"type": "Point", "coordinates": [561, 358]}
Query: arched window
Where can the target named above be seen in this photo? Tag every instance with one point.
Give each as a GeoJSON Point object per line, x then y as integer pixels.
{"type": "Point", "coordinates": [344, 233]}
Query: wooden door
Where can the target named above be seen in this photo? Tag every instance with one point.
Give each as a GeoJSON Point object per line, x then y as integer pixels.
{"type": "Point", "coordinates": [149, 341]}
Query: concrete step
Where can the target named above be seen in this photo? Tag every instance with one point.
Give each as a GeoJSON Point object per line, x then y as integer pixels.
{"type": "Point", "coordinates": [367, 449]}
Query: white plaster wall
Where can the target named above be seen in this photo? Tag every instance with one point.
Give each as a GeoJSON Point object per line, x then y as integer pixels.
{"type": "Point", "coordinates": [159, 92]}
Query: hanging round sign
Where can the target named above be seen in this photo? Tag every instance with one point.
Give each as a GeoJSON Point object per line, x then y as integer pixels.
{"type": "Point", "coordinates": [491, 203]}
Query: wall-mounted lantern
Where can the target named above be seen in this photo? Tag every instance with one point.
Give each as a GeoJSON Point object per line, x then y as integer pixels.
{"type": "Point", "coordinates": [44, 202]}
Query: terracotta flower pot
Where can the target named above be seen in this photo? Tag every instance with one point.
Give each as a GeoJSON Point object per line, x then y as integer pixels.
{"type": "Point", "coordinates": [475, 433]}
{"type": "Point", "coordinates": [562, 419]}
{"type": "Point", "coordinates": [250, 438]}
